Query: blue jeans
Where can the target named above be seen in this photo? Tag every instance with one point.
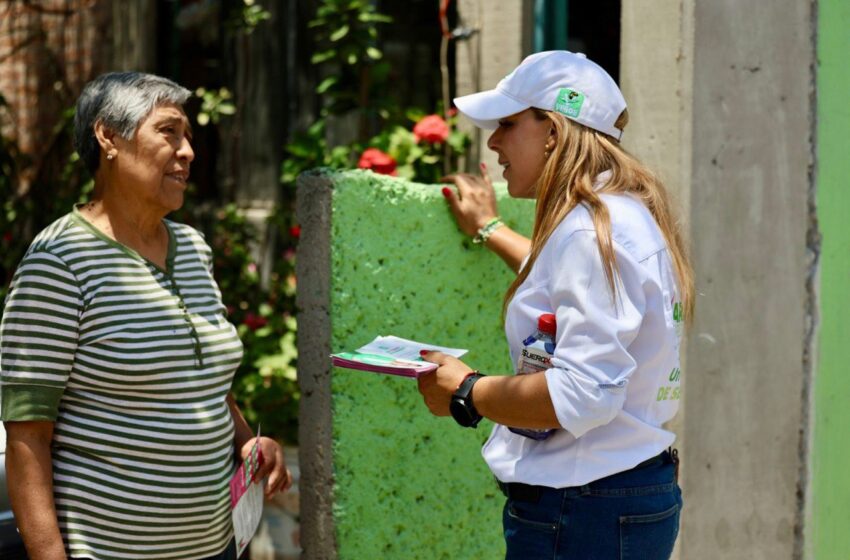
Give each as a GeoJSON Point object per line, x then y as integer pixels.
{"type": "Point", "coordinates": [633, 515]}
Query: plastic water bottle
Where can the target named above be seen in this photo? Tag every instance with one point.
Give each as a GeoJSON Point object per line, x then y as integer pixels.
{"type": "Point", "coordinates": [536, 355]}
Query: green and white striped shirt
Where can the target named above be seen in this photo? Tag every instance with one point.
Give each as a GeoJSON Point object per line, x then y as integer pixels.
{"type": "Point", "coordinates": [133, 364]}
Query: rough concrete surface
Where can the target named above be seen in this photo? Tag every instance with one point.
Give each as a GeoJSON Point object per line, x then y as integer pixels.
{"type": "Point", "coordinates": [313, 267]}
{"type": "Point", "coordinates": [502, 40]}
{"type": "Point", "coordinates": [719, 96]}
{"type": "Point", "coordinates": [750, 165]}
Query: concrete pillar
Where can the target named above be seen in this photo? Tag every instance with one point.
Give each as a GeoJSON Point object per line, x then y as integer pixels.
{"type": "Point", "coordinates": [720, 96]}
{"type": "Point", "coordinates": [503, 37]}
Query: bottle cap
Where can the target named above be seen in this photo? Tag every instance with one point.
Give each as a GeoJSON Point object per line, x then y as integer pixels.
{"type": "Point", "coordinates": [546, 323]}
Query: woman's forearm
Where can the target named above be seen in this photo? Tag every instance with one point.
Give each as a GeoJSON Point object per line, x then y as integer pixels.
{"type": "Point", "coordinates": [242, 432]}
{"type": "Point", "coordinates": [510, 246]}
{"type": "Point", "coordinates": [29, 479]}
{"type": "Point", "coordinates": [520, 401]}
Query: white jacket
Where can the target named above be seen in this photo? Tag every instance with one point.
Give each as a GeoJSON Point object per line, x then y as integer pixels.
{"type": "Point", "coordinates": [615, 377]}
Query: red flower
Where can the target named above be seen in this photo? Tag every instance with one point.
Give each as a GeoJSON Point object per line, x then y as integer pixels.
{"type": "Point", "coordinates": [254, 322]}
{"type": "Point", "coordinates": [295, 231]}
{"type": "Point", "coordinates": [433, 129]}
{"type": "Point", "coordinates": [377, 161]}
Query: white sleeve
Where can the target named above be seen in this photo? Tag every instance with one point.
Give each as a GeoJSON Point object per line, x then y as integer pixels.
{"type": "Point", "coordinates": [592, 364]}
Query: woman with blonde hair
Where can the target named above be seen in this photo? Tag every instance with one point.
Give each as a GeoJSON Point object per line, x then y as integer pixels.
{"type": "Point", "coordinates": [579, 449]}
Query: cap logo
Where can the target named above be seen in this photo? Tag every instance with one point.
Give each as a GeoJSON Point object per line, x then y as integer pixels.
{"type": "Point", "coordinates": [569, 102]}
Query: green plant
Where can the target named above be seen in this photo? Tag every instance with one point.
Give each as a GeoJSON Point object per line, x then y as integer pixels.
{"type": "Point", "coordinates": [347, 51]}
{"type": "Point", "coordinates": [309, 150]}
{"type": "Point", "coordinates": [265, 383]}
{"type": "Point", "coordinates": [420, 159]}
{"type": "Point", "coordinates": [214, 105]}
{"type": "Point", "coordinates": [356, 79]}
{"type": "Point", "coordinates": [246, 17]}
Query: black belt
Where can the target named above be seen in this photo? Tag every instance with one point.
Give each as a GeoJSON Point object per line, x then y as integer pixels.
{"type": "Point", "coordinates": [520, 492]}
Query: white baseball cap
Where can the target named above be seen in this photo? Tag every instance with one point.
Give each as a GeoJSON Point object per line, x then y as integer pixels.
{"type": "Point", "coordinates": [560, 81]}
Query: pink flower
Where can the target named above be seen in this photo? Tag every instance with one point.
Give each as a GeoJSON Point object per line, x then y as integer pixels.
{"type": "Point", "coordinates": [377, 161]}
{"type": "Point", "coordinates": [433, 129]}
{"type": "Point", "coordinates": [254, 322]}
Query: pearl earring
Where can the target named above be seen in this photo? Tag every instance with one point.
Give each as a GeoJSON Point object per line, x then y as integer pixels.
{"type": "Point", "coordinates": [110, 157]}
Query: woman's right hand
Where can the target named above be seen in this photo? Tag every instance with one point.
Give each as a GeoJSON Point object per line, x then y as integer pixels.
{"type": "Point", "coordinates": [474, 202]}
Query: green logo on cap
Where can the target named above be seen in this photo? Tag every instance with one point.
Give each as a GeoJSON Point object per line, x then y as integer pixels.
{"type": "Point", "coordinates": [569, 102]}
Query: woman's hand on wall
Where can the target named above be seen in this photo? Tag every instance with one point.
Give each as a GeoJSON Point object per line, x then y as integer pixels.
{"type": "Point", "coordinates": [474, 202]}
{"type": "Point", "coordinates": [473, 205]}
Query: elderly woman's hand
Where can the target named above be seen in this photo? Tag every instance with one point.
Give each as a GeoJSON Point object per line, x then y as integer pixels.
{"type": "Point", "coordinates": [438, 386]}
{"type": "Point", "coordinates": [474, 203]}
{"type": "Point", "coordinates": [274, 466]}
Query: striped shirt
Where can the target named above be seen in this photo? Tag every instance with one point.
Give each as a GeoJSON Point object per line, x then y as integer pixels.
{"type": "Point", "coordinates": [133, 363]}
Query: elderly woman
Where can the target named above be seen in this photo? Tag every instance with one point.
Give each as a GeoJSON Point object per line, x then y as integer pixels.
{"type": "Point", "coordinates": [117, 358]}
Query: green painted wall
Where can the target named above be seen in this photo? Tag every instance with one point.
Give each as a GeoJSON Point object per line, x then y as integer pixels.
{"type": "Point", "coordinates": [409, 485]}
{"type": "Point", "coordinates": [830, 538]}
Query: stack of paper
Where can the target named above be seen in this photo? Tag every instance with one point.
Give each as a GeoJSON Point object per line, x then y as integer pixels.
{"type": "Point", "coordinates": [392, 355]}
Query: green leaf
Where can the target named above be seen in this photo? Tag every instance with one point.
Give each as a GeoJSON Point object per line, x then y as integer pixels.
{"type": "Point", "coordinates": [374, 18]}
{"type": "Point", "coordinates": [458, 141]}
{"type": "Point", "coordinates": [317, 129]}
{"type": "Point", "coordinates": [405, 171]}
{"type": "Point", "coordinates": [373, 53]}
{"type": "Point", "coordinates": [323, 56]}
{"type": "Point", "coordinates": [414, 114]}
{"type": "Point", "coordinates": [352, 59]}
{"type": "Point", "coordinates": [301, 149]}
{"type": "Point", "coordinates": [227, 109]}
{"type": "Point", "coordinates": [339, 33]}
{"type": "Point", "coordinates": [326, 84]}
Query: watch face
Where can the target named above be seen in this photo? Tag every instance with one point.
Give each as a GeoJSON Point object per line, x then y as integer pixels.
{"type": "Point", "coordinates": [460, 412]}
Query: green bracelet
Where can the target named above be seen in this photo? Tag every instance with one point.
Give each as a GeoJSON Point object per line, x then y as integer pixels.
{"type": "Point", "coordinates": [487, 230]}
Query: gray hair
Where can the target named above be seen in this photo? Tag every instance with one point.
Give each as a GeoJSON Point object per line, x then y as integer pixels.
{"type": "Point", "coordinates": [121, 101]}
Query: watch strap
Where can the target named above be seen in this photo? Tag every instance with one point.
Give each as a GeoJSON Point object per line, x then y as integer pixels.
{"type": "Point", "coordinates": [462, 408]}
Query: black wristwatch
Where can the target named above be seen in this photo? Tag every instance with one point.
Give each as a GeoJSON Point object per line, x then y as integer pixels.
{"type": "Point", "coordinates": [461, 407]}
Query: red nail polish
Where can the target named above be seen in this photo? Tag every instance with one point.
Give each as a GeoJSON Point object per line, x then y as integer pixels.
{"type": "Point", "coordinates": [483, 165]}
{"type": "Point", "coordinates": [447, 192]}
{"type": "Point", "coordinates": [423, 352]}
